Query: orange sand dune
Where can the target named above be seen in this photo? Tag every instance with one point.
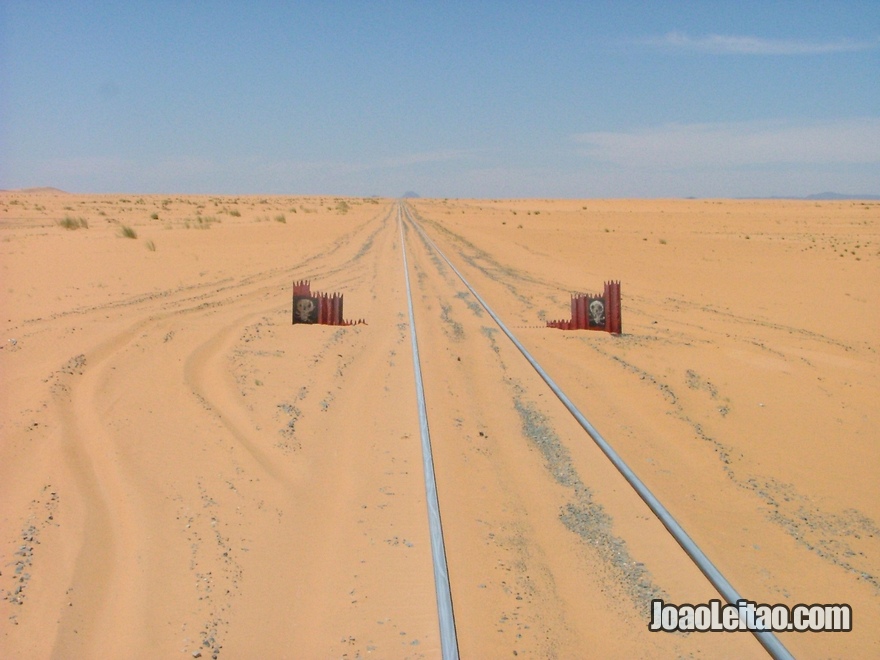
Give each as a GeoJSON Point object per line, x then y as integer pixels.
{"type": "Point", "coordinates": [183, 473]}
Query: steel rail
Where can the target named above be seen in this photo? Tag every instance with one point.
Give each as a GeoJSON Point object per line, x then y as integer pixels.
{"type": "Point", "coordinates": [767, 639]}
{"type": "Point", "coordinates": [448, 639]}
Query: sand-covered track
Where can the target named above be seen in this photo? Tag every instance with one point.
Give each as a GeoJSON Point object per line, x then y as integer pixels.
{"type": "Point", "coordinates": [713, 410]}
{"type": "Point", "coordinates": [556, 456]}
{"type": "Point", "coordinates": [445, 613]}
{"type": "Point", "coordinates": [258, 486]}
{"type": "Point", "coordinates": [199, 452]}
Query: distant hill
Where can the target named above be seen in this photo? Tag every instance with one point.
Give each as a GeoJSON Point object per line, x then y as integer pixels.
{"type": "Point", "coordinates": [37, 190]}
{"type": "Point", "coordinates": [825, 196]}
{"type": "Point", "coordinates": [834, 195]}
{"type": "Point", "coordinates": [409, 194]}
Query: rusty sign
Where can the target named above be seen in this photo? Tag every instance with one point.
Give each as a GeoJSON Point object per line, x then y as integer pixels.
{"type": "Point", "coordinates": [317, 308]}
{"type": "Point", "coordinates": [594, 312]}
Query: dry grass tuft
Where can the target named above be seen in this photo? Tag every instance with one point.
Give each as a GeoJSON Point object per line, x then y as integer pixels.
{"type": "Point", "coordinates": [73, 223]}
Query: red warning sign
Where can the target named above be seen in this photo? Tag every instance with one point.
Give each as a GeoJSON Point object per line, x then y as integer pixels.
{"type": "Point", "coordinates": [317, 308]}
{"type": "Point", "coordinates": [594, 312]}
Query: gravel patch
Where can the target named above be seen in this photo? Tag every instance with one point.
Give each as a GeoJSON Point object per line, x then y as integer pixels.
{"type": "Point", "coordinates": [585, 517]}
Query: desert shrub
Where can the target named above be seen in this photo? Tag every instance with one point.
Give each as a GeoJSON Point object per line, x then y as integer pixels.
{"type": "Point", "coordinates": [69, 222]}
{"type": "Point", "coordinates": [127, 232]}
{"type": "Point", "coordinates": [281, 218]}
{"type": "Point", "coordinates": [201, 222]}
{"type": "Point", "coordinates": [151, 246]}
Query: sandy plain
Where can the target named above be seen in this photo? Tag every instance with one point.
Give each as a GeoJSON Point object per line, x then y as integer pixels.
{"type": "Point", "coordinates": [184, 473]}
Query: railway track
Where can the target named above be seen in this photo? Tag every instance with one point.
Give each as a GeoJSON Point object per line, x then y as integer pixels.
{"type": "Point", "coordinates": [767, 639]}
{"type": "Point", "coordinates": [216, 480]}
{"type": "Point", "coordinates": [448, 639]}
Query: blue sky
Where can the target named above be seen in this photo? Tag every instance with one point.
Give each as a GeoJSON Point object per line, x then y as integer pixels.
{"type": "Point", "coordinates": [449, 99]}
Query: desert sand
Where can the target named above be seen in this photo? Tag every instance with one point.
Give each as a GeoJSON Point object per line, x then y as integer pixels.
{"type": "Point", "coordinates": [184, 473]}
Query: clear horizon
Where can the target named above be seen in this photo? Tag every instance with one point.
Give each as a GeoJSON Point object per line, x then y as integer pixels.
{"type": "Point", "coordinates": [834, 196]}
{"type": "Point", "coordinates": [458, 100]}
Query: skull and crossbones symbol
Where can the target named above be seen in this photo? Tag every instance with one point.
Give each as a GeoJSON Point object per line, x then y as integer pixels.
{"type": "Point", "coordinates": [304, 309]}
{"type": "Point", "coordinates": [597, 312]}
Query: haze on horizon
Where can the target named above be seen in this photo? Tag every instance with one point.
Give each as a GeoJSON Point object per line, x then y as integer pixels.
{"type": "Point", "coordinates": [497, 99]}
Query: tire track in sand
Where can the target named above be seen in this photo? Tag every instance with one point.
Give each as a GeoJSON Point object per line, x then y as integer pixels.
{"type": "Point", "coordinates": [109, 531]}
{"type": "Point", "coordinates": [107, 575]}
